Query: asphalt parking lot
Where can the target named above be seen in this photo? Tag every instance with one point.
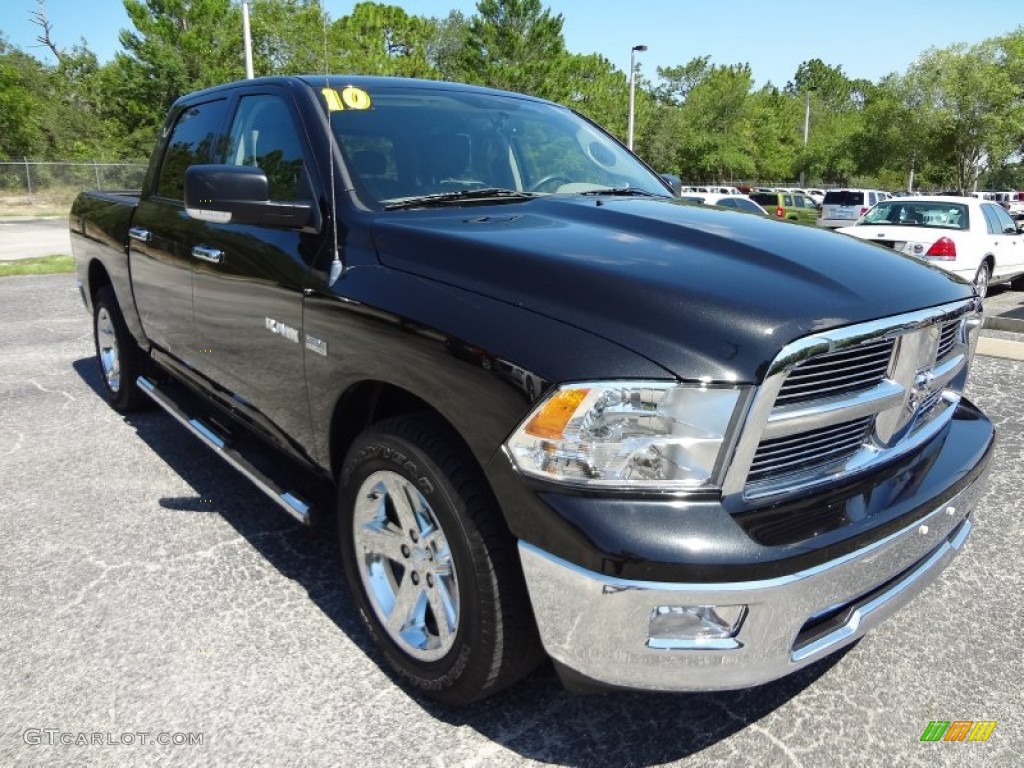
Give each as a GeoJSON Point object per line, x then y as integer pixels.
{"type": "Point", "coordinates": [146, 588]}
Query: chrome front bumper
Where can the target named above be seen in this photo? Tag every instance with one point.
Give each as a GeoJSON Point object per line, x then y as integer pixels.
{"type": "Point", "coordinates": [598, 625]}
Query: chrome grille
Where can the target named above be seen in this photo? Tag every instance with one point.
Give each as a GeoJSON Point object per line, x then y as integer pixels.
{"type": "Point", "coordinates": [837, 373]}
{"type": "Point", "coordinates": [842, 400]}
{"type": "Point", "coordinates": [947, 338]}
{"type": "Point", "coordinates": [808, 450]}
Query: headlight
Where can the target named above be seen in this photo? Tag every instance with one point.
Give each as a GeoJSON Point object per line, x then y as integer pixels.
{"type": "Point", "coordinates": [641, 435]}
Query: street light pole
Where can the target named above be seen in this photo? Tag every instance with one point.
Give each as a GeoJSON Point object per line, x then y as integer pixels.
{"type": "Point", "coordinates": [247, 41]}
{"type": "Point", "coordinates": [807, 133]}
{"type": "Point", "coordinates": [632, 90]}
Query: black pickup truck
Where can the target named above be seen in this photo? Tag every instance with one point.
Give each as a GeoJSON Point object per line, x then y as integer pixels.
{"type": "Point", "coordinates": [557, 410]}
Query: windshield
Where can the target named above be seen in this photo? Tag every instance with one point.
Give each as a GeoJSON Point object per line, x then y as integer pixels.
{"type": "Point", "coordinates": [406, 143]}
{"type": "Point", "coordinates": [941, 215]}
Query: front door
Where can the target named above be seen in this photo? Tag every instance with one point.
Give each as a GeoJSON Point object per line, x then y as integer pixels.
{"type": "Point", "coordinates": [248, 280]}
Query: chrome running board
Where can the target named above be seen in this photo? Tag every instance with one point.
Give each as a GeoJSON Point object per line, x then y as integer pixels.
{"type": "Point", "coordinates": [291, 503]}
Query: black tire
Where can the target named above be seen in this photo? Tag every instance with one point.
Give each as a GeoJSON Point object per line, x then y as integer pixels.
{"type": "Point", "coordinates": [981, 279]}
{"type": "Point", "coordinates": [494, 642]}
{"type": "Point", "coordinates": [119, 357]}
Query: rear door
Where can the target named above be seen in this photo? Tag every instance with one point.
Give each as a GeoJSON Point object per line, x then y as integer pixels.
{"type": "Point", "coordinates": [806, 210]}
{"type": "Point", "coordinates": [161, 234]}
{"type": "Point", "coordinates": [1006, 241]}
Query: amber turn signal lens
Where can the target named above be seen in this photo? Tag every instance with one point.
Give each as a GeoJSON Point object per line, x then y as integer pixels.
{"type": "Point", "coordinates": [550, 420]}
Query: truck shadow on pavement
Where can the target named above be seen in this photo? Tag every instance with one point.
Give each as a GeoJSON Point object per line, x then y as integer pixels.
{"type": "Point", "coordinates": [536, 718]}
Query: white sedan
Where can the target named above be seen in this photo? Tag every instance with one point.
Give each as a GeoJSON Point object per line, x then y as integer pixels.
{"type": "Point", "coordinates": [736, 202]}
{"type": "Point", "coordinates": [975, 239]}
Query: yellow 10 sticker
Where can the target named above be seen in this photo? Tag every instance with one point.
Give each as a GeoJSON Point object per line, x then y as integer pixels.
{"type": "Point", "coordinates": [349, 98]}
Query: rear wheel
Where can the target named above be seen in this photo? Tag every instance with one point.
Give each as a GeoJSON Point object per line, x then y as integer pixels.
{"type": "Point", "coordinates": [120, 359]}
{"type": "Point", "coordinates": [431, 564]}
{"type": "Point", "coordinates": [981, 280]}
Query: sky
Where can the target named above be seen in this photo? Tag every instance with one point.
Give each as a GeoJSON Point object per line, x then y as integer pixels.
{"type": "Point", "coordinates": [868, 40]}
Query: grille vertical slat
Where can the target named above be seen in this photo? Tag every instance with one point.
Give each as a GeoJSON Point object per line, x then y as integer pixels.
{"type": "Point", "coordinates": [947, 339]}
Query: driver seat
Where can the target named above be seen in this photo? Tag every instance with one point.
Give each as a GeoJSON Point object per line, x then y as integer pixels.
{"type": "Point", "coordinates": [452, 156]}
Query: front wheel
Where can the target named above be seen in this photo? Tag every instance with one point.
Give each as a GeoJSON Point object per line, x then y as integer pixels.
{"type": "Point", "coordinates": [120, 359]}
{"type": "Point", "coordinates": [433, 569]}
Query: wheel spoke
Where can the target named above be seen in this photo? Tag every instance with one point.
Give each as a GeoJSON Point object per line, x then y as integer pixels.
{"type": "Point", "coordinates": [444, 611]}
{"type": "Point", "coordinates": [403, 612]}
{"type": "Point", "coordinates": [377, 540]}
{"type": "Point", "coordinates": [437, 543]}
{"type": "Point", "coordinates": [403, 506]}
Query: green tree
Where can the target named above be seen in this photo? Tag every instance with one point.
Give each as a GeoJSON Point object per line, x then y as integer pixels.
{"type": "Point", "coordinates": [287, 37]}
{"type": "Point", "coordinates": [679, 81]}
{"type": "Point", "coordinates": [176, 46]}
{"type": "Point", "coordinates": [593, 87]}
{"type": "Point", "coordinates": [446, 39]}
{"type": "Point", "coordinates": [22, 103]}
{"type": "Point", "coordinates": [972, 109]}
{"type": "Point", "coordinates": [717, 130]}
{"type": "Point", "coordinates": [776, 144]}
{"type": "Point", "coordinates": [514, 44]}
{"type": "Point", "coordinates": [380, 39]}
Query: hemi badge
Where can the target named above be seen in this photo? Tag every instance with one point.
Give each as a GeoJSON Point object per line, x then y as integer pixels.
{"type": "Point", "coordinates": [313, 344]}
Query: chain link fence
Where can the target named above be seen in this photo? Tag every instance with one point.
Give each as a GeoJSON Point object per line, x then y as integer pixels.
{"type": "Point", "coordinates": [33, 184]}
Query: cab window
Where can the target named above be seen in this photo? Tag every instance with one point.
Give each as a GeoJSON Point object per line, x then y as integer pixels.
{"type": "Point", "coordinates": [193, 141]}
{"type": "Point", "coordinates": [263, 134]}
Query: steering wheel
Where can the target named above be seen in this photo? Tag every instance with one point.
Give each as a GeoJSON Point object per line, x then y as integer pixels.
{"type": "Point", "coordinates": [535, 187]}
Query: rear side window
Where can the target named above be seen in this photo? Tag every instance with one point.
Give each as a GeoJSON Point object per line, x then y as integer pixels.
{"type": "Point", "coordinates": [193, 141]}
{"type": "Point", "coordinates": [765, 198]}
{"type": "Point", "coordinates": [844, 197]}
{"type": "Point", "coordinates": [1006, 225]}
{"type": "Point", "coordinates": [742, 203]}
{"type": "Point", "coordinates": [991, 222]}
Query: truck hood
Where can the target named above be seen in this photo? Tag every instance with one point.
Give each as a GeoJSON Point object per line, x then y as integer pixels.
{"type": "Point", "coordinates": [703, 292]}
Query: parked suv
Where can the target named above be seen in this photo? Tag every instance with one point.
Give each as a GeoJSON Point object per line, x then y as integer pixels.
{"type": "Point", "coordinates": [787, 205]}
{"type": "Point", "coordinates": [842, 207]}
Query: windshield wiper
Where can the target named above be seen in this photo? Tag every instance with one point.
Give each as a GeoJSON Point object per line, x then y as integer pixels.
{"type": "Point", "coordinates": [462, 195]}
{"type": "Point", "coordinates": [632, 191]}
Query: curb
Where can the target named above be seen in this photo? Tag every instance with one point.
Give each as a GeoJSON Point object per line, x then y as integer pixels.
{"type": "Point", "coordinates": [1004, 348]}
{"type": "Point", "coordinates": [1001, 323]}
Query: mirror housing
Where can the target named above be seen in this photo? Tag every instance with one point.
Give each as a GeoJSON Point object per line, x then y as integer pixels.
{"type": "Point", "coordinates": [673, 181]}
{"type": "Point", "coordinates": [239, 194]}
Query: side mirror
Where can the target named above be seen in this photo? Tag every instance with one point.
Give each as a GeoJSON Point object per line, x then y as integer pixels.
{"type": "Point", "coordinates": [673, 181]}
{"type": "Point", "coordinates": [239, 194]}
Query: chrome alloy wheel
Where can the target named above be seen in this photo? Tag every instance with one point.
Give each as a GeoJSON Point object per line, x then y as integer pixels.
{"type": "Point", "coordinates": [106, 346]}
{"type": "Point", "coordinates": [406, 566]}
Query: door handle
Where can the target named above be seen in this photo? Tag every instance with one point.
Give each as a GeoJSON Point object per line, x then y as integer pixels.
{"type": "Point", "coordinates": [140, 234]}
{"type": "Point", "coordinates": [204, 252]}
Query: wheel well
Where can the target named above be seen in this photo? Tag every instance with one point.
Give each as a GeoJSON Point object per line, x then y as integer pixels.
{"type": "Point", "coordinates": [98, 277]}
{"type": "Point", "coordinates": [365, 404]}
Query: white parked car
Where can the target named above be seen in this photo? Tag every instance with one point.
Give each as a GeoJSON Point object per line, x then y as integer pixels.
{"type": "Point", "coordinates": [975, 239]}
{"type": "Point", "coordinates": [817, 195]}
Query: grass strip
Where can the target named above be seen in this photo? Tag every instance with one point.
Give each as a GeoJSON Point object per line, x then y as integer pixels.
{"type": "Point", "coordinates": [38, 265]}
